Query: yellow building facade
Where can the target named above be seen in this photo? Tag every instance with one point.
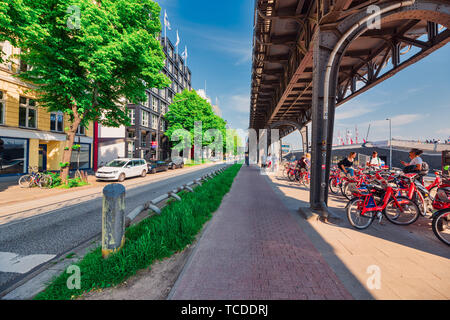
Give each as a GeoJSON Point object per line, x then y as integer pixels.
{"type": "Point", "coordinates": [30, 136]}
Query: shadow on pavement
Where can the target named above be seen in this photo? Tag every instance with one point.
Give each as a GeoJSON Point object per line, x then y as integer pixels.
{"type": "Point", "coordinates": [418, 235]}
{"type": "Point", "coordinates": [352, 284]}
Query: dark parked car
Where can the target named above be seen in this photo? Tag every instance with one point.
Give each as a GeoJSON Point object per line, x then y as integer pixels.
{"type": "Point", "coordinates": [176, 163]}
{"type": "Point", "coordinates": [157, 166]}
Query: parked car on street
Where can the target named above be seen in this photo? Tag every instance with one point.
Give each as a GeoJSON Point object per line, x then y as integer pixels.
{"type": "Point", "coordinates": [120, 169]}
{"type": "Point", "coordinates": [155, 166]}
{"type": "Point", "coordinates": [176, 163]}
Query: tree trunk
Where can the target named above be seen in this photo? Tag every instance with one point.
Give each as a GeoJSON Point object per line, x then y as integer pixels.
{"type": "Point", "coordinates": [67, 154]}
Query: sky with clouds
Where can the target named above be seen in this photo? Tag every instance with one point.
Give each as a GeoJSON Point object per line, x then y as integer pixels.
{"type": "Point", "coordinates": [218, 36]}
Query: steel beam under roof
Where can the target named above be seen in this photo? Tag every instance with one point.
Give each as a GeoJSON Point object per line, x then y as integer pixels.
{"type": "Point", "coordinates": [284, 31]}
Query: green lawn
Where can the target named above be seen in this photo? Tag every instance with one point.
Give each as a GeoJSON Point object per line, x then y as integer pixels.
{"type": "Point", "coordinates": [153, 239]}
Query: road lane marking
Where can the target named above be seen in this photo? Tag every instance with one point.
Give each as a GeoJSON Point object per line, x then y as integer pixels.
{"type": "Point", "coordinates": [15, 263]}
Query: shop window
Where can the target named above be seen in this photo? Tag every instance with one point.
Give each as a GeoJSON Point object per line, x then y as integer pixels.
{"type": "Point", "coordinates": [57, 121]}
{"type": "Point", "coordinates": [143, 140]}
{"type": "Point", "coordinates": [13, 155]}
{"type": "Point", "coordinates": [80, 158]}
{"type": "Point", "coordinates": [27, 113]}
{"type": "Point", "coordinates": [130, 151]}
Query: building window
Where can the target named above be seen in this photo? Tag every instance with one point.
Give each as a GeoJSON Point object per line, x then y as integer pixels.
{"type": "Point", "coordinates": [163, 108]}
{"type": "Point", "coordinates": [155, 90]}
{"type": "Point", "coordinates": [170, 50]}
{"type": "Point", "coordinates": [132, 116]}
{"type": "Point", "coordinates": [27, 113]}
{"type": "Point", "coordinates": [13, 153]}
{"type": "Point", "coordinates": [154, 122]}
{"type": "Point", "coordinates": [143, 140]}
{"type": "Point", "coordinates": [81, 131]}
{"type": "Point", "coordinates": [130, 151]}
{"type": "Point", "coordinates": [2, 107]}
{"type": "Point", "coordinates": [131, 134]}
{"type": "Point", "coordinates": [80, 159]}
{"type": "Point", "coordinates": [155, 104]}
{"type": "Point", "coordinates": [57, 121]}
{"type": "Point", "coordinates": [145, 116]}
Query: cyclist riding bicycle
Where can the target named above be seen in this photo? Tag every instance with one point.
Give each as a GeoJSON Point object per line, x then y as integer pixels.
{"type": "Point", "coordinates": [345, 165]}
{"type": "Point", "coordinates": [304, 163]}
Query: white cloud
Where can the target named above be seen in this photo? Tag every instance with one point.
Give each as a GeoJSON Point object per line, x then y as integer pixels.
{"type": "Point", "coordinates": [239, 103]}
{"type": "Point", "coordinates": [224, 41]}
{"type": "Point", "coordinates": [445, 131]}
{"type": "Point", "coordinates": [398, 120]}
{"type": "Point", "coordinates": [353, 109]}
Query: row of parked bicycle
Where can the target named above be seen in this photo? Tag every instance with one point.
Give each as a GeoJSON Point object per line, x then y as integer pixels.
{"type": "Point", "coordinates": [398, 196]}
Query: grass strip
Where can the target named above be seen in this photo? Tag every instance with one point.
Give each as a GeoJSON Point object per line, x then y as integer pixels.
{"type": "Point", "coordinates": [152, 239]}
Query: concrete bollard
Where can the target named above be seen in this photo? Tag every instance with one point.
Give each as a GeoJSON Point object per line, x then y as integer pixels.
{"type": "Point", "coordinates": [113, 218]}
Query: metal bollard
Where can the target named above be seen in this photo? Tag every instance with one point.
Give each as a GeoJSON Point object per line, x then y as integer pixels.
{"type": "Point", "coordinates": [113, 218]}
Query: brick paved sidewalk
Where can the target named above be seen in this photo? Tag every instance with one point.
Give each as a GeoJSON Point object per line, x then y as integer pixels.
{"type": "Point", "coordinates": [254, 248]}
{"type": "Point", "coordinates": [412, 262]}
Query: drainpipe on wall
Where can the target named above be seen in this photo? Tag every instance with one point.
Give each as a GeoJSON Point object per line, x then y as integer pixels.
{"type": "Point", "coordinates": [95, 164]}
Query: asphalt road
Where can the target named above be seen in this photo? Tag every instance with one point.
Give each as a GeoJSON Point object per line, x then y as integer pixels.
{"type": "Point", "coordinates": [39, 238]}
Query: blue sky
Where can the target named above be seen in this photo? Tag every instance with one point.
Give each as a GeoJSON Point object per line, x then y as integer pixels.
{"type": "Point", "coordinates": [218, 36]}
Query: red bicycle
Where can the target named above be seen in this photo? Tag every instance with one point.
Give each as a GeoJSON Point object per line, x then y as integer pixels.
{"type": "Point", "coordinates": [363, 209]}
{"type": "Point", "coordinates": [441, 218]}
{"type": "Point", "coordinates": [414, 190]}
{"type": "Point", "coordinates": [434, 186]}
{"type": "Point", "coordinates": [303, 176]}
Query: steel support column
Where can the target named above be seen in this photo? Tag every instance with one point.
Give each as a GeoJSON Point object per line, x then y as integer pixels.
{"type": "Point", "coordinates": [322, 122]}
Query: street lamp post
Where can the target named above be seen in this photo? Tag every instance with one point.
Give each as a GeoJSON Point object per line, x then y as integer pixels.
{"type": "Point", "coordinates": [390, 142]}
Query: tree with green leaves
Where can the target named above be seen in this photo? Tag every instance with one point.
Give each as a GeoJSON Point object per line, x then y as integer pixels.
{"type": "Point", "coordinates": [233, 141]}
{"type": "Point", "coordinates": [187, 109]}
{"type": "Point", "coordinates": [88, 57]}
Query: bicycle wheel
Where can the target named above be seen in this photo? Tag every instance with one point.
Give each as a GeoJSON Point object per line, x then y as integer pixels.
{"type": "Point", "coordinates": [406, 212]}
{"type": "Point", "coordinates": [45, 181]}
{"type": "Point", "coordinates": [342, 186]}
{"type": "Point", "coordinates": [305, 180]}
{"type": "Point", "coordinates": [348, 190]}
{"type": "Point", "coordinates": [26, 181]}
{"type": "Point", "coordinates": [291, 176]}
{"type": "Point", "coordinates": [333, 185]}
{"type": "Point", "coordinates": [356, 219]}
{"type": "Point", "coordinates": [432, 193]}
{"type": "Point", "coordinates": [421, 203]}
{"type": "Point", "coordinates": [441, 226]}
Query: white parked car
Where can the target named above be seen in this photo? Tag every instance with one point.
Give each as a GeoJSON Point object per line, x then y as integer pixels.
{"type": "Point", "coordinates": [120, 169]}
